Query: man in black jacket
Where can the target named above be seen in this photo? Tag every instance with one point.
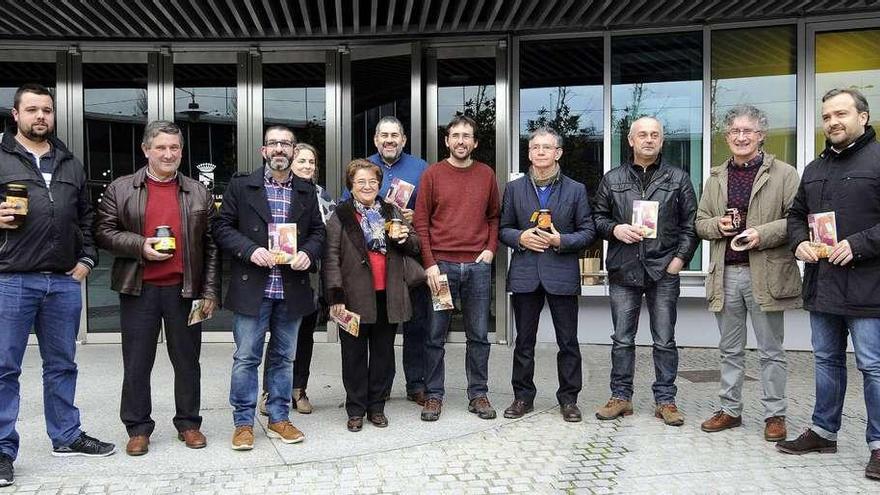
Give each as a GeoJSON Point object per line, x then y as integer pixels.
{"type": "Point", "coordinates": [266, 296]}
{"type": "Point", "coordinates": [42, 263]}
{"type": "Point", "coordinates": [645, 259]}
{"type": "Point", "coordinates": [841, 291]}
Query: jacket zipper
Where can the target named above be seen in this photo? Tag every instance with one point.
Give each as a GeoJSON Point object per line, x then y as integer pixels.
{"type": "Point", "coordinates": [186, 256]}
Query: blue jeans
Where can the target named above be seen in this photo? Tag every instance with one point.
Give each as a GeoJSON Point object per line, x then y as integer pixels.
{"type": "Point", "coordinates": [249, 333]}
{"type": "Point", "coordinates": [414, 332]}
{"type": "Point", "coordinates": [626, 304]}
{"type": "Point", "coordinates": [50, 304]}
{"type": "Point", "coordinates": [471, 283]}
{"type": "Point", "coordinates": [829, 348]}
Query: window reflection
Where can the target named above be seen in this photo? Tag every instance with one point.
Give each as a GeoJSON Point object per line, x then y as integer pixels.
{"type": "Point", "coordinates": [379, 87]}
{"type": "Point", "coordinates": [660, 75]}
{"type": "Point", "coordinates": [294, 96]}
{"type": "Point", "coordinates": [467, 86]}
{"type": "Point", "coordinates": [848, 59]}
{"type": "Point", "coordinates": [768, 82]}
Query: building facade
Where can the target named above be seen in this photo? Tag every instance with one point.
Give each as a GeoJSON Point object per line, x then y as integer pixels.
{"type": "Point", "coordinates": [330, 70]}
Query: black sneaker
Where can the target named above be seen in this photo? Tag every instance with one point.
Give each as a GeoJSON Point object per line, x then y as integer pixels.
{"type": "Point", "coordinates": [85, 446]}
{"type": "Point", "coordinates": [7, 473]}
{"type": "Point", "coordinates": [872, 471]}
{"type": "Point", "coordinates": [809, 441]}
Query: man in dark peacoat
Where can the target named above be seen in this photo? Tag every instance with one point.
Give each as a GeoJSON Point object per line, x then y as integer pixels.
{"type": "Point", "coordinates": [545, 266]}
{"type": "Point", "coordinates": [262, 294]}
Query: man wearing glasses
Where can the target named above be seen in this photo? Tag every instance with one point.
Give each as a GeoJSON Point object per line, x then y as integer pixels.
{"type": "Point", "coordinates": [545, 266]}
{"type": "Point", "coordinates": [644, 259]}
{"type": "Point", "coordinates": [457, 221]}
{"type": "Point", "coordinates": [266, 296]}
{"type": "Point", "coordinates": [751, 271]}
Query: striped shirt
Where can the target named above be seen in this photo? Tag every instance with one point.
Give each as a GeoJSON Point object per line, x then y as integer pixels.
{"type": "Point", "coordinates": [279, 205]}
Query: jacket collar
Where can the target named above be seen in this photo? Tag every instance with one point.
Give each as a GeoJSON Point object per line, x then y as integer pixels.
{"type": "Point", "coordinates": [346, 213]}
{"type": "Point", "coordinates": [868, 137]}
{"type": "Point", "coordinates": [183, 182]}
{"type": "Point", "coordinates": [8, 144]}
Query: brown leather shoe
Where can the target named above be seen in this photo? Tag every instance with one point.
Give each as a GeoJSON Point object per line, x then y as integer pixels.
{"type": "Point", "coordinates": [721, 421]}
{"type": "Point", "coordinates": [570, 413]}
{"type": "Point", "coordinates": [355, 423]}
{"type": "Point", "coordinates": [378, 418]}
{"type": "Point", "coordinates": [432, 409]}
{"type": "Point", "coordinates": [774, 429]}
{"type": "Point", "coordinates": [243, 438]}
{"type": "Point", "coordinates": [418, 397]}
{"type": "Point", "coordinates": [285, 431]}
{"type": "Point", "coordinates": [670, 414]}
{"type": "Point", "coordinates": [138, 445]}
{"type": "Point", "coordinates": [193, 438]}
{"type": "Point", "coordinates": [518, 408]}
{"type": "Point", "coordinates": [615, 408]}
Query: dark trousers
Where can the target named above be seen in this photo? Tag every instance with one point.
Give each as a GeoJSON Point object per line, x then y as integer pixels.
{"type": "Point", "coordinates": [140, 318]}
{"type": "Point", "coordinates": [367, 361]}
{"type": "Point", "coordinates": [305, 344]}
{"type": "Point", "coordinates": [527, 308]}
{"type": "Point", "coordinates": [414, 332]}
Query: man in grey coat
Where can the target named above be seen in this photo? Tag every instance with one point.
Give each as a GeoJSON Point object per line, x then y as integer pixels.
{"type": "Point", "coordinates": [545, 267]}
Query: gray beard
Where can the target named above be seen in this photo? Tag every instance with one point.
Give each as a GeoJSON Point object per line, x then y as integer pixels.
{"type": "Point", "coordinates": [272, 166]}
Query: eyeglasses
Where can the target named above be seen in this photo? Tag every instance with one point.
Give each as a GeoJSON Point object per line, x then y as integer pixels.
{"type": "Point", "coordinates": [284, 144]}
{"type": "Point", "coordinates": [463, 137]}
{"type": "Point", "coordinates": [545, 147]}
{"type": "Point", "coordinates": [741, 132]}
{"type": "Point", "coordinates": [364, 183]}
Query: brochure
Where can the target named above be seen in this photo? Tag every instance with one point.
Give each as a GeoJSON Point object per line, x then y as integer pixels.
{"type": "Point", "coordinates": [282, 242]}
{"type": "Point", "coordinates": [196, 315]}
{"type": "Point", "coordinates": [349, 322]}
{"type": "Point", "coordinates": [823, 233]}
{"type": "Point", "coordinates": [443, 300]}
{"type": "Point", "coordinates": [644, 216]}
{"type": "Point", "coordinates": [399, 192]}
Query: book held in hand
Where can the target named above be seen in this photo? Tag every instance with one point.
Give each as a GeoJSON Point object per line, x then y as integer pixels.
{"type": "Point", "coordinates": [349, 322]}
{"type": "Point", "coordinates": [282, 242]}
{"type": "Point", "coordinates": [823, 233]}
{"type": "Point", "coordinates": [399, 192]}
{"type": "Point", "coordinates": [644, 217]}
{"type": "Point", "coordinates": [443, 299]}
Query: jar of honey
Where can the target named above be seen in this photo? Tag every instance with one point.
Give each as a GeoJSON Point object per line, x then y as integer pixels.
{"type": "Point", "coordinates": [166, 243]}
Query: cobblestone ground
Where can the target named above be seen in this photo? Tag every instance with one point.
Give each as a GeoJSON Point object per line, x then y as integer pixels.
{"type": "Point", "coordinates": [542, 454]}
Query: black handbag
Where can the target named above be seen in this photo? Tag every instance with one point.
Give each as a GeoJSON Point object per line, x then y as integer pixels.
{"type": "Point", "coordinates": [413, 273]}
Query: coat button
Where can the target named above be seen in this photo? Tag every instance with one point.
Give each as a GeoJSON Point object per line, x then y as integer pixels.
{"type": "Point", "coordinates": [244, 277]}
{"type": "Point", "coordinates": [302, 282]}
{"type": "Point", "coordinates": [255, 228]}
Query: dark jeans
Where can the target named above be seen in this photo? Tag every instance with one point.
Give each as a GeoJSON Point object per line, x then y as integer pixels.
{"type": "Point", "coordinates": [829, 348]}
{"type": "Point", "coordinates": [471, 284]}
{"type": "Point", "coordinates": [50, 303]}
{"type": "Point", "coordinates": [367, 361]}
{"type": "Point", "coordinates": [414, 332]}
{"type": "Point", "coordinates": [305, 344]}
{"type": "Point", "coordinates": [626, 303]}
{"type": "Point", "coordinates": [527, 308]}
{"type": "Point", "coordinates": [140, 317]}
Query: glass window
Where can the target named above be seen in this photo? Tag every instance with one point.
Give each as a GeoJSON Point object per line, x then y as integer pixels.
{"type": "Point", "coordinates": [467, 86]}
{"type": "Point", "coordinates": [293, 96]}
{"type": "Point", "coordinates": [13, 75]}
{"type": "Point", "coordinates": [765, 77]}
{"type": "Point", "coordinates": [379, 87]}
{"type": "Point", "coordinates": [660, 75]}
{"type": "Point", "coordinates": [848, 59]}
{"type": "Point", "coordinates": [115, 111]}
{"type": "Point", "coordinates": [561, 88]}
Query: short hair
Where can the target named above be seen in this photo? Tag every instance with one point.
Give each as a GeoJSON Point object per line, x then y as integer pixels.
{"type": "Point", "coordinates": [645, 117]}
{"type": "Point", "coordinates": [390, 119]}
{"type": "Point", "coordinates": [462, 119]}
{"type": "Point", "coordinates": [308, 147]}
{"type": "Point", "coordinates": [157, 127]}
{"type": "Point", "coordinates": [748, 111]}
{"type": "Point", "coordinates": [34, 88]}
{"type": "Point", "coordinates": [546, 131]}
{"type": "Point", "coordinates": [360, 164]}
{"type": "Point", "coordinates": [857, 96]}
{"type": "Point", "coordinates": [278, 127]}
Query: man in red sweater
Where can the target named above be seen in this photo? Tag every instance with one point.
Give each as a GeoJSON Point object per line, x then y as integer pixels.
{"type": "Point", "coordinates": [456, 217]}
{"type": "Point", "coordinates": [155, 286]}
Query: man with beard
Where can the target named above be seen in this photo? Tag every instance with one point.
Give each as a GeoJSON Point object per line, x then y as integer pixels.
{"type": "Point", "coordinates": [390, 140]}
{"type": "Point", "coordinates": [263, 295]}
{"type": "Point", "coordinates": [158, 286]}
{"type": "Point", "coordinates": [840, 291]}
{"type": "Point", "coordinates": [47, 251]}
{"type": "Point", "coordinates": [457, 221]}
{"type": "Point", "coordinates": [639, 265]}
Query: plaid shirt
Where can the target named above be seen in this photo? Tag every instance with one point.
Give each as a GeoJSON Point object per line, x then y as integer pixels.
{"type": "Point", "coordinates": [279, 205]}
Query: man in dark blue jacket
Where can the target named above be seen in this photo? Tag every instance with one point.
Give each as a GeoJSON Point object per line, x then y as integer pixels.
{"type": "Point", "coordinates": [43, 260]}
{"type": "Point", "coordinates": [545, 266]}
{"type": "Point", "coordinates": [266, 296]}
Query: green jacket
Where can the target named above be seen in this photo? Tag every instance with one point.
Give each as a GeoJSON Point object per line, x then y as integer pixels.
{"type": "Point", "coordinates": [776, 279]}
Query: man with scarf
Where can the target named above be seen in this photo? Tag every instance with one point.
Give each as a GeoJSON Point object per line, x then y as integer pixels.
{"type": "Point", "coordinates": [645, 262]}
{"type": "Point", "coordinates": [545, 266]}
{"type": "Point", "coordinates": [263, 295]}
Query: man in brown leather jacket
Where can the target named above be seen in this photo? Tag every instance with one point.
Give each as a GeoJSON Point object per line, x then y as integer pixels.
{"type": "Point", "coordinates": [155, 286]}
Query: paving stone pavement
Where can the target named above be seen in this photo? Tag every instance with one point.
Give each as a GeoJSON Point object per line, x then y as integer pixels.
{"type": "Point", "coordinates": [460, 453]}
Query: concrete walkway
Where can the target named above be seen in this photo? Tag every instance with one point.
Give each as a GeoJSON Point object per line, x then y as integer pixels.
{"type": "Point", "coordinates": [458, 454]}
